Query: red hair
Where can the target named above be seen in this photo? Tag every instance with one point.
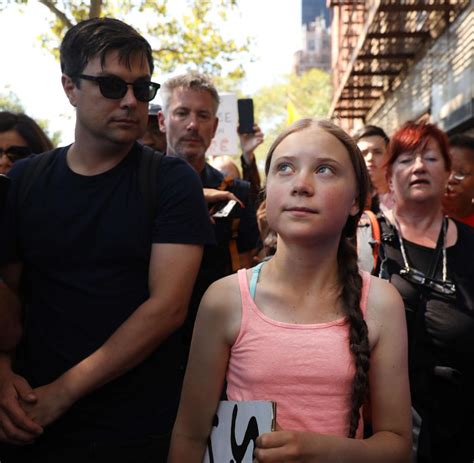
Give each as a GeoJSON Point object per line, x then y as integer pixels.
{"type": "Point", "coordinates": [413, 135]}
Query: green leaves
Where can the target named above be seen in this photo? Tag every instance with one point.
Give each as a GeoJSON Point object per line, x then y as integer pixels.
{"type": "Point", "coordinates": [193, 40]}
{"type": "Point", "coordinates": [308, 95]}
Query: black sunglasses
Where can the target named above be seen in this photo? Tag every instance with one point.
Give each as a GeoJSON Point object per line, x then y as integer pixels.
{"type": "Point", "coordinates": [447, 288]}
{"type": "Point", "coordinates": [115, 88]}
{"type": "Point", "coordinates": [15, 153]}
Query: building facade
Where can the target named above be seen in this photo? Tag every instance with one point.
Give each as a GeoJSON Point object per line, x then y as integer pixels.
{"type": "Point", "coordinates": [404, 60]}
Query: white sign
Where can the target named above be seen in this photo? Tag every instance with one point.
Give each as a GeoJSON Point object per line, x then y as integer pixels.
{"type": "Point", "coordinates": [226, 140]}
{"type": "Point", "coordinates": [235, 428]}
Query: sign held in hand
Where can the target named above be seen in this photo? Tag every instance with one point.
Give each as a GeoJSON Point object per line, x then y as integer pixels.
{"type": "Point", "coordinates": [235, 428]}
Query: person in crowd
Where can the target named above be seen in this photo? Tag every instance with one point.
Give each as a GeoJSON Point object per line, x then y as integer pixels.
{"type": "Point", "coordinates": [154, 137]}
{"type": "Point", "coordinates": [299, 329]}
{"type": "Point", "coordinates": [458, 201]}
{"type": "Point", "coordinates": [20, 136]}
{"type": "Point", "coordinates": [428, 258]}
{"type": "Point", "coordinates": [188, 118]}
{"type": "Point", "coordinates": [248, 144]}
{"type": "Point", "coordinates": [96, 376]}
{"type": "Point", "coordinates": [226, 166]}
{"type": "Point", "coordinates": [372, 142]}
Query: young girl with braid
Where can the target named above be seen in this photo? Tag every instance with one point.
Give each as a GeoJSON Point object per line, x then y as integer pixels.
{"type": "Point", "coordinates": [305, 329]}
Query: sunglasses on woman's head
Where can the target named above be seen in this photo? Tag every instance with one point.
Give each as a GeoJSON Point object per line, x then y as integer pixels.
{"type": "Point", "coordinates": [115, 88]}
{"type": "Point", "coordinates": [15, 153]}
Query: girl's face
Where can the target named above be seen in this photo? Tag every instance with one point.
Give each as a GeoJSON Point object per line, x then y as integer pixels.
{"type": "Point", "coordinates": [311, 186]}
{"type": "Point", "coordinates": [419, 175]}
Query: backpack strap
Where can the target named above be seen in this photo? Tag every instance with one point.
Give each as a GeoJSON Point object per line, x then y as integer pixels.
{"type": "Point", "coordinates": [368, 241]}
{"type": "Point", "coordinates": [375, 242]}
{"type": "Point", "coordinates": [148, 168]}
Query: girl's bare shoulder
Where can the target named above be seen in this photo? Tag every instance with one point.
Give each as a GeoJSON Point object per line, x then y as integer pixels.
{"type": "Point", "coordinates": [221, 306]}
{"type": "Point", "coordinates": [222, 293]}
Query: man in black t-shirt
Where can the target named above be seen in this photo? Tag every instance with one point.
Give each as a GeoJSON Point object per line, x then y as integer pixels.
{"type": "Point", "coordinates": [189, 119]}
{"type": "Point", "coordinates": [96, 375]}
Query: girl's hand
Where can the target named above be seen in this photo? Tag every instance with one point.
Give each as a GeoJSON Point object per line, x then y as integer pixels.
{"type": "Point", "coordinates": [286, 446]}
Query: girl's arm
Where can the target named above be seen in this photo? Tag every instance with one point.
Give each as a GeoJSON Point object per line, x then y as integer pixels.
{"type": "Point", "coordinates": [217, 326]}
{"type": "Point", "coordinates": [389, 395]}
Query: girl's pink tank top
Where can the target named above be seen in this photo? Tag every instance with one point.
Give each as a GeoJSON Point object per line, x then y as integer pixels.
{"type": "Point", "coordinates": [307, 370]}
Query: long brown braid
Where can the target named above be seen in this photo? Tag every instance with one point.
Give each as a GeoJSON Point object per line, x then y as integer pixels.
{"type": "Point", "coordinates": [350, 280]}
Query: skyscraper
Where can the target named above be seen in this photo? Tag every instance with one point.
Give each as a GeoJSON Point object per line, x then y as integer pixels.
{"type": "Point", "coordinates": [316, 47]}
{"type": "Point", "coordinates": [310, 9]}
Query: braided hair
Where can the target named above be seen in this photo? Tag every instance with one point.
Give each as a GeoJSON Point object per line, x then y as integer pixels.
{"type": "Point", "coordinates": [349, 277]}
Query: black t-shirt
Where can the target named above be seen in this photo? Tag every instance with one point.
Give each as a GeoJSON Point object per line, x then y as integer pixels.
{"type": "Point", "coordinates": [85, 243]}
{"type": "Point", "coordinates": [440, 332]}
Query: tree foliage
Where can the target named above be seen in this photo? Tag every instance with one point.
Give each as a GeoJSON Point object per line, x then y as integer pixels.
{"type": "Point", "coordinates": [308, 95]}
{"type": "Point", "coordinates": [193, 41]}
{"type": "Point", "coordinates": [9, 101]}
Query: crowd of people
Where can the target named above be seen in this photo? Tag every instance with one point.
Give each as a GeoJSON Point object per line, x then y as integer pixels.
{"type": "Point", "coordinates": [141, 283]}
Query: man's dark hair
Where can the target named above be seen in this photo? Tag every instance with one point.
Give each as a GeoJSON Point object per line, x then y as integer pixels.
{"type": "Point", "coordinates": [461, 140]}
{"type": "Point", "coordinates": [371, 131]}
{"type": "Point", "coordinates": [97, 37]}
{"type": "Point", "coordinates": [27, 128]}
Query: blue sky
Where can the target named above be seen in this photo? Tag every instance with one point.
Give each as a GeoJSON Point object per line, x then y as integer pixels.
{"type": "Point", "coordinates": [34, 75]}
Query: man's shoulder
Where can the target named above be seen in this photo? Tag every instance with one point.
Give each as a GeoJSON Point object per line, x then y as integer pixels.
{"type": "Point", "coordinates": [211, 177]}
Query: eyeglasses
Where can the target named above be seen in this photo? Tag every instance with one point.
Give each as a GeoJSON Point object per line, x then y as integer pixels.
{"type": "Point", "coordinates": [115, 88]}
{"type": "Point", "coordinates": [459, 176]}
{"type": "Point", "coordinates": [413, 275]}
{"type": "Point", "coordinates": [15, 153]}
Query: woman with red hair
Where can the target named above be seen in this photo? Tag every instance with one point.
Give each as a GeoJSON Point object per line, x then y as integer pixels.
{"type": "Point", "coordinates": [429, 259]}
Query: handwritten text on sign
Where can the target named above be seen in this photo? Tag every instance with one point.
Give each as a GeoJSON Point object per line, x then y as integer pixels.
{"type": "Point", "coordinates": [226, 140]}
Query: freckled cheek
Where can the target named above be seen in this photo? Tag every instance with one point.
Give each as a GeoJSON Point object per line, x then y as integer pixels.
{"type": "Point", "coordinates": [274, 203]}
{"type": "Point", "coordinates": [334, 197]}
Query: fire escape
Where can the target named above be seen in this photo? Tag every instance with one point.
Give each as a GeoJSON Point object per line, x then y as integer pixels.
{"type": "Point", "coordinates": [374, 43]}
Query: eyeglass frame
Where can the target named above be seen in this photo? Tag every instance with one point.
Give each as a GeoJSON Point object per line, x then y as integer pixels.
{"type": "Point", "coordinates": [7, 152]}
{"type": "Point", "coordinates": [458, 176]}
{"type": "Point", "coordinates": [101, 80]}
{"type": "Point", "coordinates": [446, 287]}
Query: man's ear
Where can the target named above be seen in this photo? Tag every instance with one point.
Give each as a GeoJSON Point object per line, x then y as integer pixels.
{"type": "Point", "coordinates": [161, 121]}
{"type": "Point", "coordinates": [70, 89]}
{"type": "Point", "coordinates": [216, 123]}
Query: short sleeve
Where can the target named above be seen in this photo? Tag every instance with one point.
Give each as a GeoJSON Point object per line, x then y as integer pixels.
{"type": "Point", "coordinates": [182, 216]}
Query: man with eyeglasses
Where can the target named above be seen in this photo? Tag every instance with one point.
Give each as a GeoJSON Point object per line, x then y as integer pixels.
{"type": "Point", "coordinates": [96, 376]}
{"type": "Point", "coordinates": [458, 201]}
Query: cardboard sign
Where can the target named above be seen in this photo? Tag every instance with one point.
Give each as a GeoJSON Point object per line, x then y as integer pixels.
{"type": "Point", "coordinates": [235, 428]}
{"type": "Point", "coordinates": [226, 140]}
